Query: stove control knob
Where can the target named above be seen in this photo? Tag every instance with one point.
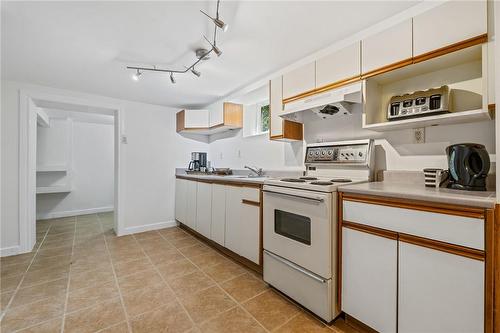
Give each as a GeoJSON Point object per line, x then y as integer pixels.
{"type": "Point", "coordinates": [310, 153]}
{"type": "Point", "coordinates": [360, 154]}
{"type": "Point", "coordinates": [316, 153]}
{"type": "Point", "coordinates": [322, 152]}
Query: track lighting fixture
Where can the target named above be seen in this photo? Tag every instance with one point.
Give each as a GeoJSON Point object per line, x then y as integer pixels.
{"type": "Point", "coordinates": [201, 54]}
{"type": "Point", "coordinates": [195, 72]}
{"type": "Point", "coordinates": [218, 22]}
{"type": "Point", "coordinates": [136, 75]}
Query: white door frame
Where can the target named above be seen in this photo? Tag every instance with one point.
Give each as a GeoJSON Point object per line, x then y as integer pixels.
{"type": "Point", "coordinates": [27, 161]}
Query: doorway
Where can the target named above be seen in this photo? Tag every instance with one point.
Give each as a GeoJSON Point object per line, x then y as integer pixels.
{"type": "Point", "coordinates": [55, 179]}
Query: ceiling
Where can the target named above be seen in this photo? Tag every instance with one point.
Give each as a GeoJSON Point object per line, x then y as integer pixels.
{"type": "Point", "coordinates": [85, 46]}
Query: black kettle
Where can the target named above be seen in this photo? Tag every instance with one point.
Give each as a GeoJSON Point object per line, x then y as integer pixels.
{"type": "Point", "coordinates": [469, 164]}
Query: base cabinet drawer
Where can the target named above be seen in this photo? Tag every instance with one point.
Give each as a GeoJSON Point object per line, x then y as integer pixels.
{"type": "Point", "coordinates": [439, 291]}
{"type": "Point", "coordinates": [369, 279]}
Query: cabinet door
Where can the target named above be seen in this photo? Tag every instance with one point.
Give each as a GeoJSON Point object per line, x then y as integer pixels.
{"type": "Point", "coordinates": [218, 213]}
{"type": "Point", "coordinates": [387, 47]}
{"type": "Point", "coordinates": [340, 65]}
{"type": "Point", "coordinates": [180, 200]}
{"type": "Point", "coordinates": [216, 114]}
{"type": "Point", "coordinates": [276, 106]}
{"type": "Point", "coordinates": [242, 225]}
{"type": "Point", "coordinates": [369, 279]}
{"type": "Point", "coordinates": [191, 189]}
{"type": "Point", "coordinates": [204, 208]}
{"type": "Point", "coordinates": [196, 119]}
{"type": "Point", "coordinates": [447, 24]}
{"type": "Point", "coordinates": [299, 80]}
{"type": "Point", "coordinates": [439, 291]}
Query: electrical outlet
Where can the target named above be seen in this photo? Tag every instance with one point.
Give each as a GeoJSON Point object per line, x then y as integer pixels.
{"type": "Point", "coordinates": [419, 135]}
{"type": "Point", "coordinates": [239, 153]}
{"type": "Point", "coordinates": [124, 139]}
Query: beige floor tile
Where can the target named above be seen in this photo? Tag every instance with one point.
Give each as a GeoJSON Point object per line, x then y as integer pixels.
{"type": "Point", "coordinates": [56, 251]}
{"type": "Point", "coordinates": [173, 234]}
{"type": "Point", "coordinates": [147, 235]}
{"type": "Point", "coordinates": [270, 309]}
{"type": "Point", "coordinates": [147, 299]}
{"type": "Point", "coordinates": [51, 326]}
{"type": "Point", "coordinates": [50, 244]}
{"type": "Point", "coordinates": [31, 314]}
{"type": "Point", "coordinates": [9, 283]}
{"type": "Point", "coordinates": [41, 291]}
{"type": "Point", "coordinates": [156, 246]}
{"type": "Point", "coordinates": [169, 318]}
{"type": "Point", "coordinates": [165, 257]}
{"type": "Point", "coordinates": [303, 323]}
{"type": "Point", "coordinates": [176, 269]}
{"type": "Point", "coordinates": [209, 259]}
{"type": "Point", "coordinates": [13, 269]}
{"type": "Point", "coordinates": [184, 242]}
{"type": "Point", "coordinates": [190, 284]}
{"type": "Point", "coordinates": [235, 320]}
{"type": "Point", "coordinates": [33, 277]}
{"type": "Point", "coordinates": [243, 287]}
{"type": "Point", "coordinates": [124, 256]}
{"type": "Point", "coordinates": [5, 299]}
{"type": "Point", "coordinates": [50, 262]}
{"type": "Point", "coordinates": [95, 318]}
{"type": "Point", "coordinates": [196, 250]}
{"type": "Point", "coordinates": [17, 259]}
{"type": "Point", "coordinates": [341, 326]}
{"type": "Point", "coordinates": [89, 263]}
{"type": "Point", "coordinates": [131, 267]}
{"type": "Point", "coordinates": [61, 236]}
{"type": "Point", "coordinates": [90, 278]}
{"type": "Point", "coordinates": [224, 271]}
{"type": "Point", "coordinates": [90, 296]}
{"type": "Point", "coordinates": [139, 280]}
{"type": "Point", "coordinates": [207, 304]}
{"type": "Point", "coordinates": [118, 328]}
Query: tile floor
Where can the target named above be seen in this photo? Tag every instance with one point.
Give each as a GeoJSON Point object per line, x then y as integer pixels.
{"type": "Point", "coordinates": [82, 278]}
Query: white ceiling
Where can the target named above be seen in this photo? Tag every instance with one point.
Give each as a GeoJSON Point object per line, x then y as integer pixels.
{"type": "Point", "coordinates": [85, 46]}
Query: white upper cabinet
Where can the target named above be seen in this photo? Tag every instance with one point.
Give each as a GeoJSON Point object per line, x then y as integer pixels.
{"type": "Point", "coordinates": [196, 118]}
{"type": "Point", "coordinates": [447, 24]}
{"type": "Point", "coordinates": [216, 112]}
{"type": "Point", "coordinates": [299, 80]}
{"type": "Point", "coordinates": [387, 47]}
{"type": "Point", "coordinates": [340, 65]}
{"type": "Point", "coordinates": [276, 106]}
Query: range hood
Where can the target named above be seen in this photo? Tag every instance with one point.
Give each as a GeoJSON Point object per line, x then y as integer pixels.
{"type": "Point", "coordinates": [328, 104]}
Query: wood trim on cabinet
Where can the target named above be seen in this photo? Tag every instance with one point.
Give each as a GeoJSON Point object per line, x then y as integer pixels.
{"type": "Point", "coordinates": [233, 114]}
{"type": "Point", "coordinates": [242, 260]}
{"type": "Point", "coordinates": [433, 207]}
{"type": "Point", "coordinates": [180, 120]}
{"type": "Point", "coordinates": [222, 181]}
{"type": "Point", "coordinates": [250, 202]}
{"type": "Point", "coordinates": [387, 68]}
{"type": "Point", "coordinates": [491, 107]}
{"type": "Point", "coordinates": [451, 48]}
{"type": "Point", "coordinates": [489, 276]}
{"type": "Point", "coordinates": [370, 230]}
{"type": "Point", "coordinates": [443, 247]}
{"type": "Point", "coordinates": [293, 130]}
{"type": "Point", "coordinates": [321, 89]}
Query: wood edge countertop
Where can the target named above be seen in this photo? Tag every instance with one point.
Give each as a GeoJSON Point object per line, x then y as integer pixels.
{"type": "Point", "coordinates": [228, 180]}
{"type": "Point", "coordinates": [415, 191]}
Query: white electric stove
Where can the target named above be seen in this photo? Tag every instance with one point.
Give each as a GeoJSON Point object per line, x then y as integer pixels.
{"type": "Point", "coordinates": [300, 223]}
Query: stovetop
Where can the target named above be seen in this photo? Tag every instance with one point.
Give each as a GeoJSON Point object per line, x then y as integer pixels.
{"type": "Point", "coordinates": [319, 184]}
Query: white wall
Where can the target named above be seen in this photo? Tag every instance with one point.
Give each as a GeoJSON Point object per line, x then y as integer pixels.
{"type": "Point", "coordinates": [87, 148]}
{"type": "Point", "coordinates": [148, 161]}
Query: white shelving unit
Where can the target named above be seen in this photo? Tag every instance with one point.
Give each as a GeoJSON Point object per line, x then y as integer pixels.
{"type": "Point", "coordinates": [52, 168]}
{"type": "Point", "coordinates": [54, 189]}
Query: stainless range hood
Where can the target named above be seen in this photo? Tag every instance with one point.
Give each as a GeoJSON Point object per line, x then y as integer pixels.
{"type": "Point", "coordinates": [329, 104]}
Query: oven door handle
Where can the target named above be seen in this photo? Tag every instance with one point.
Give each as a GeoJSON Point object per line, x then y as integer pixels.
{"type": "Point", "coordinates": [295, 267]}
{"type": "Point", "coordinates": [295, 196]}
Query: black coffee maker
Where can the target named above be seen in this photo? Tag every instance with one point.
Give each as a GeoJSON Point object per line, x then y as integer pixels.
{"type": "Point", "coordinates": [469, 164]}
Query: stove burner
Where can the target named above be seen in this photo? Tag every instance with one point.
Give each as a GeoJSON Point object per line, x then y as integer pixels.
{"type": "Point", "coordinates": [293, 180]}
{"type": "Point", "coordinates": [321, 183]}
{"type": "Point", "coordinates": [308, 178]}
{"type": "Point", "coordinates": [341, 180]}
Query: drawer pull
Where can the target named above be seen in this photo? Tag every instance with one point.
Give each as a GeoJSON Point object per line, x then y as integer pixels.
{"type": "Point", "coordinates": [250, 202]}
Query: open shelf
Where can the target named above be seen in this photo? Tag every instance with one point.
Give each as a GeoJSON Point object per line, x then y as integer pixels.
{"type": "Point", "coordinates": [464, 72]}
{"type": "Point", "coordinates": [51, 168]}
{"type": "Point", "coordinates": [54, 189]}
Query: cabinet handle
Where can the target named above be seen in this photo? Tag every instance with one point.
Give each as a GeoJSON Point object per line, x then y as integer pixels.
{"type": "Point", "coordinates": [250, 202]}
{"type": "Point", "coordinates": [295, 267]}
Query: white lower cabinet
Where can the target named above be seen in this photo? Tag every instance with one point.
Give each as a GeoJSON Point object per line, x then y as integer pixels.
{"type": "Point", "coordinates": [218, 213]}
{"type": "Point", "coordinates": [204, 208]}
{"type": "Point", "coordinates": [369, 279]}
{"type": "Point", "coordinates": [242, 223]}
{"type": "Point", "coordinates": [191, 195]}
{"type": "Point", "coordinates": [180, 200]}
{"type": "Point", "coordinates": [439, 291]}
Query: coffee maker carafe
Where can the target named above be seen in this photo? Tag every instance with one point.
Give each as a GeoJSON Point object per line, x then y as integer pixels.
{"type": "Point", "coordinates": [198, 162]}
{"type": "Point", "coordinates": [469, 164]}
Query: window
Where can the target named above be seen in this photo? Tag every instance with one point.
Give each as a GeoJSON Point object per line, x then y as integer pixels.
{"type": "Point", "coordinates": [256, 118]}
{"type": "Point", "coordinates": [264, 118]}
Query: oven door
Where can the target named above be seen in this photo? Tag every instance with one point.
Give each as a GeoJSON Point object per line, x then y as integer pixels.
{"type": "Point", "coordinates": [297, 227]}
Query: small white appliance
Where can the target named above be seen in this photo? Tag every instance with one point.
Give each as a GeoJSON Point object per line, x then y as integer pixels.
{"type": "Point", "coordinates": [300, 223]}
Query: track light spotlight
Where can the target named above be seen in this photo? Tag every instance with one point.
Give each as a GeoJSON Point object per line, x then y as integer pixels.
{"type": "Point", "coordinates": [136, 75]}
{"type": "Point", "coordinates": [172, 78]}
{"type": "Point", "coordinates": [217, 51]}
{"type": "Point", "coordinates": [218, 22]}
{"type": "Point", "coordinates": [195, 72]}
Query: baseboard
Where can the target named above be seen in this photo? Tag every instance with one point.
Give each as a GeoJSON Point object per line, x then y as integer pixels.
{"type": "Point", "coordinates": [56, 215]}
{"type": "Point", "coordinates": [149, 227]}
{"type": "Point", "coordinates": [9, 251]}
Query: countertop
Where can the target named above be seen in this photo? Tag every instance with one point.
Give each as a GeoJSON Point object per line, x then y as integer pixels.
{"type": "Point", "coordinates": [413, 191]}
{"type": "Point", "coordinates": [225, 179]}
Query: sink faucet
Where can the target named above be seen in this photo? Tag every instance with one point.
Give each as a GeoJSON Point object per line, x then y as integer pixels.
{"type": "Point", "coordinates": [258, 171]}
